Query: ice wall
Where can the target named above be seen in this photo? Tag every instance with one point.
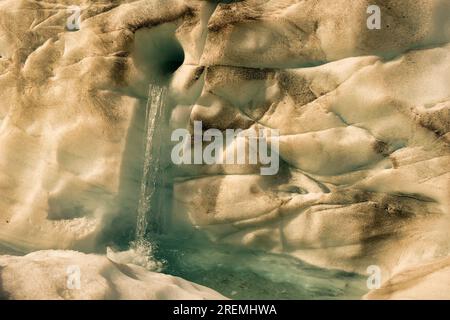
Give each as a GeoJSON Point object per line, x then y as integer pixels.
{"type": "Point", "coordinates": [363, 114]}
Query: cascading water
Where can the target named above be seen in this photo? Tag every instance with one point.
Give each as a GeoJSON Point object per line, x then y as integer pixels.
{"type": "Point", "coordinates": [151, 178]}
{"type": "Point", "coordinates": [141, 249]}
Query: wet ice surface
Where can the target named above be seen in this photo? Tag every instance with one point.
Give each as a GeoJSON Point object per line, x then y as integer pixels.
{"type": "Point", "coordinates": [246, 274]}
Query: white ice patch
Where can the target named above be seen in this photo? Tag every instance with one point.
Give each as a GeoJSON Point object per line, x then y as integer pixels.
{"type": "Point", "coordinates": [57, 274]}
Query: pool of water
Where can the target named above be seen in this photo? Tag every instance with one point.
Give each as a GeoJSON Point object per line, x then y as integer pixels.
{"type": "Point", "coordinates": [246, 274]}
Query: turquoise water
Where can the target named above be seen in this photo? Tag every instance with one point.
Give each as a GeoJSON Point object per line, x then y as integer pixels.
{"type": "Point", "coordinates": [247, 274]}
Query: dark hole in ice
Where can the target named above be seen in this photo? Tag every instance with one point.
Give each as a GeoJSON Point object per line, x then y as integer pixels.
{"type": "Point", "coordinates": [172, 62]}
{"type": "Point", "coordinates": [158, 52]}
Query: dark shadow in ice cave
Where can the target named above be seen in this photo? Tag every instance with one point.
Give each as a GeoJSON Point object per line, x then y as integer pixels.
{"type": "Point", "coordinates": [158, 53]}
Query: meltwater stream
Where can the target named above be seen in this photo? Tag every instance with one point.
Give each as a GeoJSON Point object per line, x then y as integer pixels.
{"type": "Point", "coordinates": [151, 177]}
{"type": "Point", "coordinates": [235, 272]}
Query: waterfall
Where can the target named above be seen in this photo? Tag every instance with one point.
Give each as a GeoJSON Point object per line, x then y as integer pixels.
{"type": "Point", "coordinates": [151, 177]}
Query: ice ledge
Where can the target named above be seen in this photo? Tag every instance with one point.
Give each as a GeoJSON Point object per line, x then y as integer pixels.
{"type": "Point", "coordinates": [53, 274]}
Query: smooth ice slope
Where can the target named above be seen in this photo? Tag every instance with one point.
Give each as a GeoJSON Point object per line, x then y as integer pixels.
{"type": "Point", "coordinates": [45, 275]}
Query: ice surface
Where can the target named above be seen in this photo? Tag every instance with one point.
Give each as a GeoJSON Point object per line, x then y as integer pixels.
{"type": "Point", "coordinates": [47, 275]}
{"type": "Point", "coordinates": [363, 115]}
{"type": "Point", "coordinates": [426, 281]}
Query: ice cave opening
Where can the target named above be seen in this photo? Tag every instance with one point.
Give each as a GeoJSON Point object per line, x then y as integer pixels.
{"type": "Point", "coordinates": [157, 52]}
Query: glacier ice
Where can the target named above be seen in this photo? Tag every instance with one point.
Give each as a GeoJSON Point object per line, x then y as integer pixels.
{"type": "Point", "coordinates": [363, 117]}
{"type": "Point", "coordinates": [44, 275]}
